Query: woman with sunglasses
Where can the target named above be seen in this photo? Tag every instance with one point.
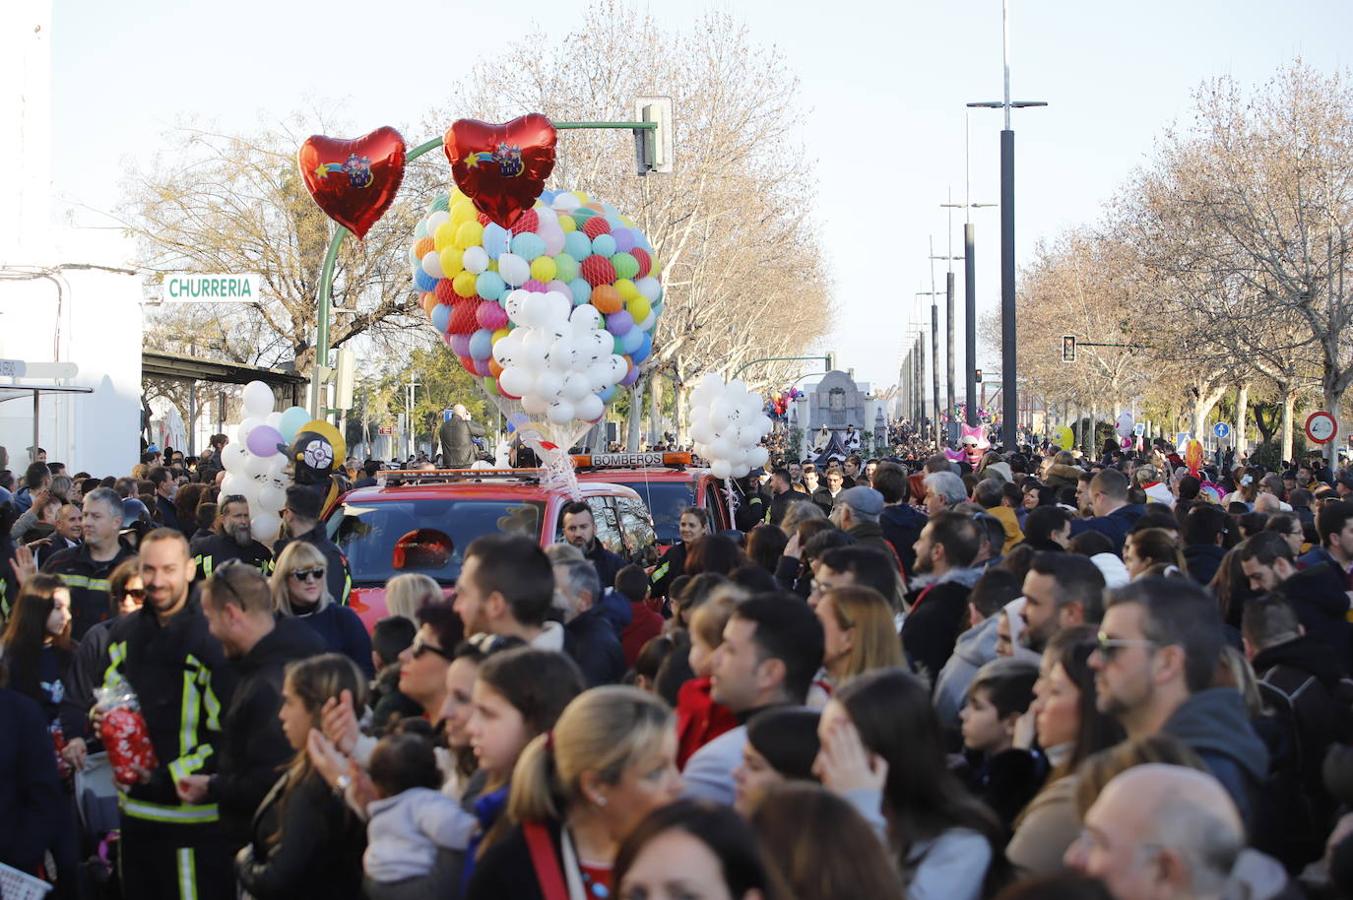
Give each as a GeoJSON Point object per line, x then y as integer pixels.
{"type": "Point", "coordinates": [299, 589]}
{"type": "Point", "coordinates": [423, 664]}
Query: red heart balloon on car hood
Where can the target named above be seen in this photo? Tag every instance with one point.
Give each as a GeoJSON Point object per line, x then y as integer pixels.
{"type": "Point", "coordinates": [501, 168]}
{"type": "Point", "coordinates": [354, 182]}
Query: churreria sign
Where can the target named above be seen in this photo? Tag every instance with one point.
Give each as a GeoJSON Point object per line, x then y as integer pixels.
{"type": "Point", "coordinates": [194, 288]}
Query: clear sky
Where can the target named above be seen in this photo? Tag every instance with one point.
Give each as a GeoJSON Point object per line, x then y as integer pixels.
{"type": "Point", "coordinates": [884, 88]}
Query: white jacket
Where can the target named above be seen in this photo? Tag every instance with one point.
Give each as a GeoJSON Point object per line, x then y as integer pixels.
{"type": "Point", "coordinates": [406, 830]}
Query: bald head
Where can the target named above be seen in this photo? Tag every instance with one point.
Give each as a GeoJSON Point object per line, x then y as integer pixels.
{"type": "Point", "coordinates": [1160, 831]}
{"type": "Point", "coordinates": [460, 412]}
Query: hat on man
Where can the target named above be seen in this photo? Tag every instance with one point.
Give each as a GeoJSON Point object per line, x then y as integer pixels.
{"type": "Point", "coordinates": [862, 500]}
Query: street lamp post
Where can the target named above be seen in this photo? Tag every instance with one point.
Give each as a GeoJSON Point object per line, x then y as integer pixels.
{"type": "Point", "coordinates": [934, 363]}
{"type": "Point", "coordinates": [1009, 392]}
{"type": "Point", "coordinates": [948, 313]}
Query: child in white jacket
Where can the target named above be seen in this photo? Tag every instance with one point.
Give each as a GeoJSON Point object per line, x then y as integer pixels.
{"type": "Point", "coordinates": [416, 835]}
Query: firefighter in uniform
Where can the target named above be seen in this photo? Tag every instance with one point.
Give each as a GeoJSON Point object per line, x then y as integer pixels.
{"type": "Point", "coordinates": [85, 569]}
{"type": "Point", "coordinates": [170, 849]}
{"type": "Point", "coordinates": [234, 541]}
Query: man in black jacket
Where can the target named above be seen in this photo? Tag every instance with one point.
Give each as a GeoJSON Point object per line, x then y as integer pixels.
{"type": "Point", "coordinates": [301, 517]}
{"type": "Point", "coordinates": [588, 637]}
{"type": "Point", "coordinates": [580, 530]}
{"type": "Point", "coordinates": [939, 610]}
{"type": "Point", "coordinates": [167, 655]}
{"type": "Point", "coordinates": [238, 605]}
{"type": "Point", "coordinates": [234, 541]}
{"type": "Point", "coordinates": [901, 522]}
{"type": "Point", "coordinates": [1318, 595]}
{"type": "Point", "coordinates": [783, 493]}
{"type": "Point", "coordinates": [85, 569]}
{"type": "Point", "coordinates": [456, 437]}
{"type": "Point", "coordinates": [165, 510]}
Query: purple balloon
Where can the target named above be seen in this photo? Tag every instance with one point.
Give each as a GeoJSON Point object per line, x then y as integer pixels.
{"type": "Point", "coordinates": [263, 440]}
{"type": "Point", "coordinates": [460, 344]}
{"type": "Point", "coordinates": [630, 377]}
{"type": "Point", "coordinates": [481, 367]}
{"type": "Point", "coordinates": [618, 323]}
{"type": "Point", "coordinates": [624, 240]}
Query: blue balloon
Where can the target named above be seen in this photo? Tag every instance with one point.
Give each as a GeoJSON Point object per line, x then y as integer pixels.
{"type": "Point", "coordinates": [490, 285]}
{"type": "Point", "coordinates": [604, 245]}
{"type": "Point", "coordinates": [424, 281]}
{"type": "Point", "coordinates": [481, 344]}
{"type": "Point", "coordinates": [528, 245]}
{"type": "Point", "coordinates": [607, 394]}
{"type": "Point", "coordinates": [547, 197]}
{"type": "Point", "coordinates": [496, 240]}
{"type": "Point", "coordinates": [632, 340]}
{"type": "Point", "coordinates": [292, 420]}
{"type": "Point", "coordinates": [645, 347]}
{"type": "Point", "coordinates": [582, 291]}
{"type": "Point", "coordinates": [441, 317]}
{"type": "Point", "coordinates": [441, 204]}
{"type": "Point", "coordinates": [420, 230]}
{"type": "Point", "coordinates": [613, 219]}
{"type": "Point", "coordinates": [577, 245]}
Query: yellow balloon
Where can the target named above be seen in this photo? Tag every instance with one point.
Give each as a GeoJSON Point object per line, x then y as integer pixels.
{"type": "Point", "coordinates": [567, 224]}
{"type": "Point", "coordinates": [543, 269]}
{"type": "Point", "coordinates": [454, 196]}
{"type": "Point", "coordinates": [452, 264]}
{"type": "Point", "coordinates": [582, 197]}
{"type": "Point", "coordinates": [627, 222]}
{"type": "Point", "coordinates": [444, 236]}
{"type": "Point", "coordinates": [500, 334]}
{"type": "Point", "coordinates": [639, 307]}
{"type": "Point", "coordinates": [469, 234]}
{"type": "Point", "coordinates": [627, 289]}
{"type": "Point", "coordinates": [462, 211]}
{"type": "Point", "coordinates": [463, 284]}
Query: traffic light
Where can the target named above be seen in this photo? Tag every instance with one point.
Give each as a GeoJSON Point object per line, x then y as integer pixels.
{"type": "Point", "coordinates": [1068, 348]}
{"type": "Point", "coordinates": [653, 147]}
{"type": "Point", "coordinates": [978, 377]}
{"type": "Point", "coordinates": [830, 360]}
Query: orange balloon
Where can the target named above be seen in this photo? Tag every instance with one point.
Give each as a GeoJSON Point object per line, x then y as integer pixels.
{"type": "Point", "coordinates": [494, 369]}
{"type": "Point", "coordinates": [424, 247]}
{"type": "Point", "coordinates": [429, 301]}
{"type": "Point", "coordinates": [607, 299]}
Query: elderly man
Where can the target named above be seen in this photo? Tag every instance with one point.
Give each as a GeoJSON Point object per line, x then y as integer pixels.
{"type": "Point", "coordinates": [943, 490]}
{"type": "Point", "coordinates": [857, 513]}
{"type": "Point", "coordinates": [588, 637]}
{"type": "Point", "coordinates": [456, 436]}
{"type": "Point", "coordinates": [1159, 831]}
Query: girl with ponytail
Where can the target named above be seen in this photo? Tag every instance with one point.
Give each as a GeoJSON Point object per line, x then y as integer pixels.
{"type": "Point", "coordinates": [577, 792]}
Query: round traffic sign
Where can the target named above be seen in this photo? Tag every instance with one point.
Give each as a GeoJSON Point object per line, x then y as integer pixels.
{"type": "Point", "coordinates": [1321, 427]}
{"type": "Point", "coordinates": [1222, 430]}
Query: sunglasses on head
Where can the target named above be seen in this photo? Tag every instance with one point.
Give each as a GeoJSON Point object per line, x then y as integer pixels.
{"type": "Point", "coordinates": [308, 574]}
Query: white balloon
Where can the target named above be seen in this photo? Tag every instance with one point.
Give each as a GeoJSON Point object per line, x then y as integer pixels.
{"type": "Point", "coordinates": [566, 202]}
{"type": "Point", "coordinates": [515, 270]}
{"type": "Point", "coordinates": [589, 408]}
{"type": "Point", "coordinates": [720, 468]}
{"type": "Point", "coordinates": [739, 470]}
{"type": "Point", "coordinates": [650, 288]}
{"type": "Point", "coordinates": [271, 498]}
{"type": "Point", "coordinates": [576, 387]}
{"type": "Point", "coordinates": [599, 376]}
{"type": "Point", "coordinates": [258, 399]}
{"type": "Point", "coordinates": [515, 380]}
{"type": "Point", "coordinates": [475, 260]}
{"type": "Point", "coordinates": [234, 483]}
{"type": "Point", "coordinates": [546, 216]}
{"type": "Point", "coordinates": [533, 405]}
{"type": "Point", "coordinates": [561, 354]}
{"type": "Point", "coordinates": [507, 349]}
{"type": "Point", "coordinates": [721, 447]}
{"type": "Point", "coordinates": [514, 303]}
{"type": "Point", "coordinates": [560, 412]}
{"type": "Point", "coordinates": [535, 347]}
{"type": "Point", "coordinates": [264, 526]}
{"type": "Point", "coordinates": [711, 383]}
{"type": "Point", "coordinates": [585, 318]}
{"type": "Point", "coordinates": [255, 466]}
{"type": "Point", "coordinates": [737, 387]}
{"type": "Point", "coordinates": [233, 457]}
{"type": "Point", "coordinates": [701, 433]}
{"type": "Point", "coordinates": [548, 384]}
{"type": "Point", "coordinates": [432, 264]}
{"type": "Point", "coordinates": [274, 419]}
{"type": "Point", "coordinates": [557, 308]}
{"type": "Point", "coordinates": [758, 456]}
{"type": "Point", "coordinates": [248, 425]}
{"type": "Point", "coordinates": [618, 367]}
{"type": "Point", "coordinates": [435, 219]}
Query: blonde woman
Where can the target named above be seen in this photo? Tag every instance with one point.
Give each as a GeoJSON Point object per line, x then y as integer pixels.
{"type": "Point", "coordinates": [578, 791]}
{"type": "Point", "coordinates": [299, 589]}
{"type": "Point", "coordinates": [858, 631]}
{"type": "Point", "coordinates": [406, 594]}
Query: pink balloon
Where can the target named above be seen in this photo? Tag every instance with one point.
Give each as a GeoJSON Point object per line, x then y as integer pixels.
{"type": "Point", "coordinates": [491, 316]}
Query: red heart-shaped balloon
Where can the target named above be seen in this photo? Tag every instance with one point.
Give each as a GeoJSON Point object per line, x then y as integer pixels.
{"type": "Point", "coordinates": [354, 182]}
{"type": "Point", "coordinates": [501, 168]}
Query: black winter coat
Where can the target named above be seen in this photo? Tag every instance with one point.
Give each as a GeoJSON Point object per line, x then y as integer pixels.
{"type": "Point", "coordinates": [32, 803]}
{"type": "Point", "coordinates": [506, 869]}
{"type": "Point", "coordinates": [593, 644]}
{"type": "Point", "coordinates": [320, 851]}
{"type": "Point", "coordinates": [932, 627]}
{"type": "Point", "coordinates": [253, 748]}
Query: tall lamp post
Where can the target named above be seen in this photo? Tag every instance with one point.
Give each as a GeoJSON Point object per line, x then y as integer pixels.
{"type": "Point", "coordinates": [1009, 391]}
{"type": "Point", "coordinates": [934, 363]}
{"type": "Point", "coordinates": [948, 315]}
{"type": "Point", "coordinates": [969, 281]}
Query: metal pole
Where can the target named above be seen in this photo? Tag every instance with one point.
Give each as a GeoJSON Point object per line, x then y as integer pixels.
{"type": "Point", "coordinates": [935, 369]}
{"type": "Point", "coordinates": [1009, 391]}
{"type": "Point", "coordinates": [970, 320]}
{"type": "Point", "coordinates": [949, 345]}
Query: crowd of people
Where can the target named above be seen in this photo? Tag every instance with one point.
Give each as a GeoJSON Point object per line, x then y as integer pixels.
{"type": "Point", "coordinates": [1036, 675]}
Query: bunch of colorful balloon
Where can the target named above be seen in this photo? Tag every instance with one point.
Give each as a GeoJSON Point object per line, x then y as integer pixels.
{"type": "Point", "coordinates": [256, 462]}
{"type": "Point", "coordinates": [778, 405]}
{"type": "Point", "coordinates": [727, 425]}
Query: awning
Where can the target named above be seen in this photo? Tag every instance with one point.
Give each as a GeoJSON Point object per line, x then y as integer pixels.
{"type": "Point", "coordinates": [192, 368]}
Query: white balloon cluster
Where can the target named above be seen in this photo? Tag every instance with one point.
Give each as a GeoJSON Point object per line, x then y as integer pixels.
{"type": "Point", "coordinates": [727, 425]}
{"type": "Point", "coordinates": [260, 477]}
{"type": "Point", "coordinates": [558, 360]}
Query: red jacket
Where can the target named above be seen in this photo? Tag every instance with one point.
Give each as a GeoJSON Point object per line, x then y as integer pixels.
{"type": "Point", "coordinates": [699, 719]}
{"type": "Point", "coordinates": [644, 625]}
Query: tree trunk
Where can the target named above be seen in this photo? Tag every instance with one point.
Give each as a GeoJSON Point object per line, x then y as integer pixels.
{"type": "Point", "coordinates": [1289, 403]}
{"type": "Point", "coordinates": [1203, 404]}
{"type": "Point", "coordinates": [1242, 411]}
{"type": "Point", "coordinates": [654, 409]}
{"type": "Point", "coordinates": [636, 417]}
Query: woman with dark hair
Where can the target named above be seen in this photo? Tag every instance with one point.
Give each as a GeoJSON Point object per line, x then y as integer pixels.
{"type": "Point", "coordinates": [765, 545]}
{"type": "Point", "coordinates": [707, 850]}
{"type": "Point", "coordinates": [1070, 728]}
{"type": "Point", "coordinates": [781, 747]}
{"type": "Point", "coordinates": [883, 749]}
{"type": "Point", "coordinates": [692, 525]}
{"type": "Point", "coordinates": [713, 554]}
{"type": "Point", "coordinates": [793, 572]}
{"type": "Point", "coordinates": [822, 846]}
{"type": "Point", "coordinates": [1152, 547]}
{"type": "Point", "coordinates": [185, 504]}
{"type": "Point", "coordinates": [37, 648]}
{"type": "Point", "coordinates": [306, 842]}
{"type": "Point", "coordinates": [1047, 529]}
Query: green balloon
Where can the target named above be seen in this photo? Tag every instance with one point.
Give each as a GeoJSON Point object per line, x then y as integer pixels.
{"type": "Point", "coordinates": [441, 204]}
{"type": "Point", "coordinates": [626, 266]}
{"type": "Point", "coordinates": [566, 268]}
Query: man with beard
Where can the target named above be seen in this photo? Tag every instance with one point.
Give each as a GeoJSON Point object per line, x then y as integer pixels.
{"type": "Point", "coordinates": [166, 653]}
{"type": "Point", "coordinates": [238, 605]}
{"type": "Point", "coordinates": [939, 610]}
{"type": "Point", "coordinates": [1060, 590]}
{"type": "Point", "coordinates": [234, 540]}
